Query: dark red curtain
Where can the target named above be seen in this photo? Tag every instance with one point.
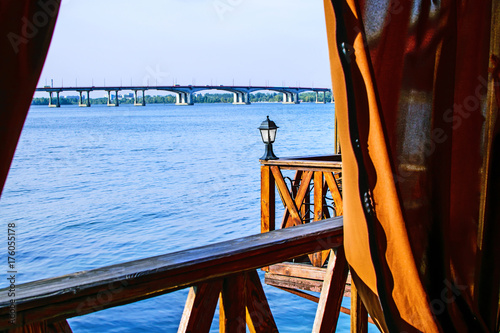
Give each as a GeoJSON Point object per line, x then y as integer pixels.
{"type": "Point", "coordinates": [26, 29]}
{"type": "Point", "coordinates": [416, 93]}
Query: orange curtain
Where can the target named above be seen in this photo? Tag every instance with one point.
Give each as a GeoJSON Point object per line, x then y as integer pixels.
{"type": "Point", "coordinates": [416, 87]}
{"type": "Point", "coordinates": [26, 28]}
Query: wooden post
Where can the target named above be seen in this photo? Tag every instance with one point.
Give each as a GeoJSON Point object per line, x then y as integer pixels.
{"type": "Point", "coordinates": [232, 307]}
{"type": "Point", "coordinates": [359, 315]}
{"type": "Point", "coordinates": [259, 316]}
{"type": "Point", "coordinates": [200, 307]}
{"type": "Point", "coordinates": [305, 211]}
{"type": "Point", "coordinates": [318, 196]}
{"type": "Point", "coordinates": [332, 292]}
{"type": "Point", "coordinates": [267, 201]}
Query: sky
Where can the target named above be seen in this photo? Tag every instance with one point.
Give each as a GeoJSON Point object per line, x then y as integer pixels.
{"type": "Point", "coordinates": [258, 42]}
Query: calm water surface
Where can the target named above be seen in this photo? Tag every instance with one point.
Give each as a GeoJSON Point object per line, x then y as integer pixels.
{"type": "Point", "coordinates": [96, 186]}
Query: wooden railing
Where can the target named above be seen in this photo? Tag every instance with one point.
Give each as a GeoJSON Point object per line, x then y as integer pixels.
{"type": "Point", "coordinates": [323, 172]}
{"type": "Point", "coordinates": [313, 192]}
{"type": "Point", "coordinates": [225, 269]}
{"type": "Point", "coordinates": [305, 196]}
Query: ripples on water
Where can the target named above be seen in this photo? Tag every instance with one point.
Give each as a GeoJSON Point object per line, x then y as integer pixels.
{"type": "Point", "coordinates": [96, 186]}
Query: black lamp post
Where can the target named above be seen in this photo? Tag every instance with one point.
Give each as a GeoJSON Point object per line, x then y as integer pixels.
{"type": "Point", "coordinates": [268, 132]}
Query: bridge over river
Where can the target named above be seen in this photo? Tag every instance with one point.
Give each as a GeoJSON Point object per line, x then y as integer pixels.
{"type": "Point", "coordinates": [184, 94]}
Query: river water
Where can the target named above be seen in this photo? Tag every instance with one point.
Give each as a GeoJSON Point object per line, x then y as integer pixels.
{"type": "Point", "coordinates": [96, 186]}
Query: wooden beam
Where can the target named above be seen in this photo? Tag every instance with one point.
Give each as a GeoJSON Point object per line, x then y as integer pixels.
{"type": "Point", "coordinates": [258, 314]}
{"type": "Point", "coordinates": [42, 327]}
{"type": "Point", "coordinates": [286, 197]}
{"type": "Point", "coordinates": [293, 282]}
{"type": "Point", "coordinates": [327, 162]}
{"type": "Point", "coordinates": [334, 190]}
{"type": "Point", "coordinates": [304, 186]}
{"type": "Point", "coordinates": [359, 315]}
{"type": "Point", "coordinates": [318, 196]}
{"type": "Point", "coordinates": [200, 307]}
{"type": "Point", "coordinates": [320, 158]}
{"type": "Point", "coordinates": [305, 203]}
{"type": "Point", "coordinates": [298, 270]}
{"type": "Point", "coordinates": [306, 168]}
{"type": "Point", "coordinates": [332, 292]}
{"type": "Point", "coordinates": [267, 200]}
{"type": "Point", "coordinates": [232, 315]}
{"type": "Point", "coordinates": [59, 327]}
{"type": "Point", "coordinates": [318, 259]}
{"type": "Point", "coordinates": [305, 178]}
{"type": "Point", "coordinates": [89, 291]}
{"type": "Point", "coordinates": [296, 182]}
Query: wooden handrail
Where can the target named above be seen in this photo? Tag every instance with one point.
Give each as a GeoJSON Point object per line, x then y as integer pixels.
{"type": "Point", "coordinates": [307, 162]}
{"type": "Point", "coordinates": [79, 293]}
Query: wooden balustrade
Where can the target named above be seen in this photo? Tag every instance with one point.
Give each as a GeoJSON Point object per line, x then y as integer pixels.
{"type": "Point", "coordinates": [323, 174]}
{"type": "Point", "coordinates": [226, 269]}
{"type": "Point", "coordinates": [303, 205]}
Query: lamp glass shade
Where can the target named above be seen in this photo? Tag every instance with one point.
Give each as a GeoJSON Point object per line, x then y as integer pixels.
{"type": "Point", "coordinates": [272, 134]}
{"type": "Point", "coordinates": [264, 134]}
{"type": "Point", "coordinates": [268, 135]}
{"type": "Point", "coordinates": [268, 130]}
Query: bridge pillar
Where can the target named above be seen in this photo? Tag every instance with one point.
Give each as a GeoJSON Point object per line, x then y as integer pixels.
{"type": "Point", "coordinates": [51, 103]}
{"type": "Point", "coordinates": [290, 98]}
{"type": "Point", "coordinates": [143, 102]}
{"type": "Point", "coordinates": [87, 102]}
{"type": "Point", "coordinates": [183, 98]}
{"type": "Point", "coordinates": [241, 97]}
{"type": "Point", "coordinates": [324, 97]}
{"type": "Point", "coordinates": [116, 103]}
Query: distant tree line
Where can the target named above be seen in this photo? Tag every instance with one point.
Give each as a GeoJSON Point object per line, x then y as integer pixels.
{"type": "Point", "coordinates": [198, 98]}
{"type": "Point", "coordinates": [310, 96]}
